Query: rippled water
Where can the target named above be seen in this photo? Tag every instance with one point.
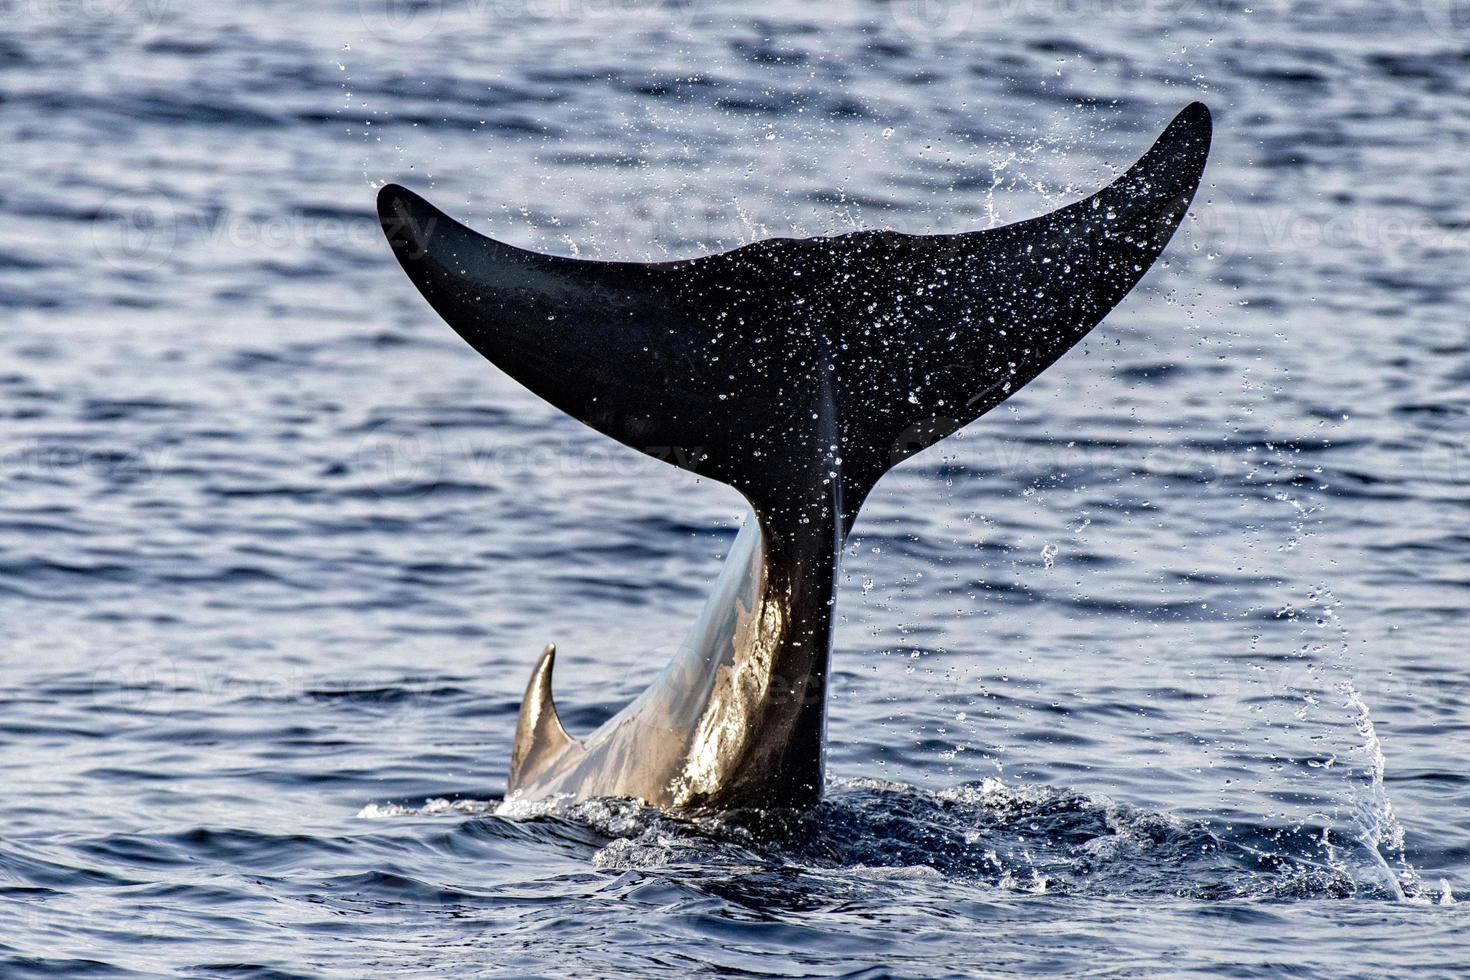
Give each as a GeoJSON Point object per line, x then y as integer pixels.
{"type": "Point", "coordinates": [1158, 669]}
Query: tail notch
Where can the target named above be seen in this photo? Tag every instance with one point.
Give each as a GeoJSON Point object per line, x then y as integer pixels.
{"type": "Point", "coordinates": [775, 365]}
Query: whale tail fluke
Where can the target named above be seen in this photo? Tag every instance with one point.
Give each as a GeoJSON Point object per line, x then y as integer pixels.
{"type": "Point", "coordinates": [784, 359]}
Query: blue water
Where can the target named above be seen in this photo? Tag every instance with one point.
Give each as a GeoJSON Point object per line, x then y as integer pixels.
{"type": "Point", "coordinates": [1157, 670]}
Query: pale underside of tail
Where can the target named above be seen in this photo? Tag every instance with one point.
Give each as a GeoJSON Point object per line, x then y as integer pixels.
{"type": "Point", "coordinates": [798, 372]}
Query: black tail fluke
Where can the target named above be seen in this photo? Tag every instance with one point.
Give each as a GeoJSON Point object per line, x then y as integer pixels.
{"type": "Point", "coordinates": [775, 365]}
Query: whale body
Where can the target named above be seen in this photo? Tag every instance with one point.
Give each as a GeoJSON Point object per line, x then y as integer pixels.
{"type": "Point", "coordinates": [798, 371]}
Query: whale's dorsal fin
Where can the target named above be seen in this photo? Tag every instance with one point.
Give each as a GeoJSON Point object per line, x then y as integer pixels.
{"type": "Point", "coordinates": [771, 366]}
{"type": "Point", "coordinates": [539, 735]}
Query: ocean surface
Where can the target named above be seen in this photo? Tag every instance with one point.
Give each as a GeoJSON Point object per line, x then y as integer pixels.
{"type": "Point", "coordinates": [1159, 669]}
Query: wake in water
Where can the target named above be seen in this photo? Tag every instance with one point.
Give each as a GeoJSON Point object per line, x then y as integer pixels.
{"type": "Point", "coordinates": [1018, 838]}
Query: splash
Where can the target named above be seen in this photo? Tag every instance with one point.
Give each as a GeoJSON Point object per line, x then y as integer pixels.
{"type": "Point", "coordinates": [1379, 829]}
{"type": "Point", "coordinates": [436, 807]}
{"type": "Point", "coordinates": [991, 835]}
